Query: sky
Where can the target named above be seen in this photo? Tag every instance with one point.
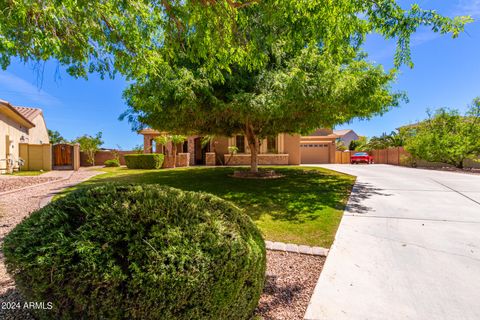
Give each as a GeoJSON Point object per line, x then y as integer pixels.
{"type": "Point", "coordinates": [446, 74]}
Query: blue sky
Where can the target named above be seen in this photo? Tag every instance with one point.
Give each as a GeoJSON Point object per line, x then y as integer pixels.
{"type": "Point", "coordinates": [446, 74]}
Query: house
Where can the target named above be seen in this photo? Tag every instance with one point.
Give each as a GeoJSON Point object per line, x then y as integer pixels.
{"type": "Point", "coordinates": [345, 136]}
{"type": "Point", "coordinates": [19, 125]}
{"type": "Point", "coordinates": [283, 149]}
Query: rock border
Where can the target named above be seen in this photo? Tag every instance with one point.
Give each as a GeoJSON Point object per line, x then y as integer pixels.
{"type": "Point", "coordinates": [295, 248]}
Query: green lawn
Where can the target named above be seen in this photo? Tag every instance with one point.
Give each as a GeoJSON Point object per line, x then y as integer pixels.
{"type": "Point", "coordinates": [28, 173]}
{"type": "Point", "coordinates": [304, 207]}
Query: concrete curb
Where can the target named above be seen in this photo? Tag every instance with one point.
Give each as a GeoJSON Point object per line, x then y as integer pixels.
{"type": "Point", "coordinates": [294, 248]}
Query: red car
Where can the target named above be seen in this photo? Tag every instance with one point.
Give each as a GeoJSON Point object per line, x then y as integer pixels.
{"type": "Point", "coordinates": [359, 157]}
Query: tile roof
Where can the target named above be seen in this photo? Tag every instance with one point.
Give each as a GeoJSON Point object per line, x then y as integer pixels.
{"type": "Point", "coordinates": [341, 132]}
{"type": "Point", "coordinates": [17, 112]}
{"type": "Point", "coordinates": [28, 112]}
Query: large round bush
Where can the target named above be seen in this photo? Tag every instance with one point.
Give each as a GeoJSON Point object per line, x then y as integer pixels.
{"type": "Point", "coordinates": [138, 252]}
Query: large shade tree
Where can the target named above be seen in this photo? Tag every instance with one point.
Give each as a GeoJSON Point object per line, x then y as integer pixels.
{"type": "Point", "coordinates": [296, 66]}
{"type": "Point", "coordinates": [225, 66]}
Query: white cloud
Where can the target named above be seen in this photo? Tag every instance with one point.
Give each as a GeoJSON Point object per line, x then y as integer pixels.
{"type": "Point", "coordinates": [14, 86]}
{"type": "Point", "coordinates": [468, 7]}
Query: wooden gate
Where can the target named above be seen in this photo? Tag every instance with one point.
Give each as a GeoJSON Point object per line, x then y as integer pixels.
{"type": "Point", "coordinates": [63, 156]}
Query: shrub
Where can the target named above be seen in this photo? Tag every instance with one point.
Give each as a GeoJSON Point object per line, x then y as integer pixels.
{"type": "Point", "coordinates": [138, 252]}
{"type": "Point", "coordinates": [112, 163]}
{"type": "Point", "coordinates": [144, 161]}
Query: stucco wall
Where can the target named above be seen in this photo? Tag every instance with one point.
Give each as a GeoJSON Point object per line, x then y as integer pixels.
{"type": "Point", "coordinates": [102, 156]}
{"type": "Point", "coordinates": [221, 148]}
{"type": "Point", "coordinates": [39, 133]}
{"type": "Point", "coordinates": [10, 134]}
{"type": "Point", "coordinates": [36, 156]}
{"type": "Point", "coordinates": [291, 145]}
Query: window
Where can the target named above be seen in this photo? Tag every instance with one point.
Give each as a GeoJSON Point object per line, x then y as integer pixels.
{"type": "Point", "coordinates": [185, 147]}
{"type": "Point", "coordinates": [153, 146]}
{"type": "Point", "coordinates": [272, 145]}
{"type": "Point", "coordinates": [240, 143]}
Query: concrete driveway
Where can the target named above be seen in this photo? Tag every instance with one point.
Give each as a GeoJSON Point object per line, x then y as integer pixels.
{"type": "Point", "coordinates": [408, 247]}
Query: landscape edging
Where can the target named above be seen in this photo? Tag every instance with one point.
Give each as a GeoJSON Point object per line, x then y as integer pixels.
{"type": "Point", "coordinates": [294, 248]}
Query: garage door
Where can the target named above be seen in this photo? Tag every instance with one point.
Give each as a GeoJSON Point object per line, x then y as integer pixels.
{"type": "Point", "coordinates": [314, 153]}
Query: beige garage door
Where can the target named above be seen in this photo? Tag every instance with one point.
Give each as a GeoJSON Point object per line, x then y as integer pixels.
{"type": "Point", "coordinates": [314, 152]}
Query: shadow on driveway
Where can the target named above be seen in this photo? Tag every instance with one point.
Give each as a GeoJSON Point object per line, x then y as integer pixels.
{"type": "Point", "coordinates": [362, 191]}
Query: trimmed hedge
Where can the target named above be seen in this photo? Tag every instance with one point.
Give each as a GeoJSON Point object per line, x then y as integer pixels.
{"type": "Point", "coordinates": [138, 252]}
{"type": "Point", "coordinates": [144, 161]}
{"type": "Point", "coordinates": [112, 163]}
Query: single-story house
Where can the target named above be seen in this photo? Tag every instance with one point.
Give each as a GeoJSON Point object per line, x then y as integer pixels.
{"type": "Point", "coordinates": [19, 125]}
{"type": "Point", "coordinates": [284, 149]}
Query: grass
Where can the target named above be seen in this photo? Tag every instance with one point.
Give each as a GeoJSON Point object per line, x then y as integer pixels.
{"type": "Point", "coordinates": [28, 173]}
{"type": "Point", "coordinates": [304, 207]}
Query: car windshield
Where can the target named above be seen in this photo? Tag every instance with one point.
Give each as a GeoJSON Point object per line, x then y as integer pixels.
{"type": "Point", "coordinates": [358, 154]}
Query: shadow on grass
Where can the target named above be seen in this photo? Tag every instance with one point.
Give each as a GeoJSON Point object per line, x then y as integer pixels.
{"type": "Point", "coordinates": [300, 196]}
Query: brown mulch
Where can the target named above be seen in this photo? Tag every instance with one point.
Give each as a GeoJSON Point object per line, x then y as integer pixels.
{"type": "Point", "coordinates": [291, 278]}
{"type": "Point", "coordinates": [8, 183]}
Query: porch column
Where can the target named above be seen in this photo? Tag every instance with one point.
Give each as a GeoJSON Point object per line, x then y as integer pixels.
{"type": "Point", "coordinates": [191, 149]}
{"type": "Point", "coordinates": [147, 143]}
{"type": "Point", "coordinates": [281, 143]}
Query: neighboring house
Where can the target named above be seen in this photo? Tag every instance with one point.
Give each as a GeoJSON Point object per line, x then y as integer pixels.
{"type": "Point", "coordinates": [283, 149]}
{"type": "Point", "coordinates": [19, 125]}
{"type": "Point", "coordinates": [345, 136]}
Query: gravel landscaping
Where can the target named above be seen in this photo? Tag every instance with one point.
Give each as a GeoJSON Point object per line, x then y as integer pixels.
{"type": "Point", "coordinates": [291, 278]}
{"type": "Point", "coordinates": [8, 183]}
{"type": "Point", "coordinates": [17, 205]}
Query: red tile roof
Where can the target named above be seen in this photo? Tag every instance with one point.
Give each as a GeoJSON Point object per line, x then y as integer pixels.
{"type": "Point", "coordinates": [16, 112]}
{"type": "Point", "coordinates": [29, 113]}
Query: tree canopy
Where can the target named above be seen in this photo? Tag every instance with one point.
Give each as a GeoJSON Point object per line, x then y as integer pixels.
{"type": "Point", "coordinates": [139, 36]}
{"type": "Point", "coordinates": [259, 67]}
{"type": "Point", "coordinates": [90, 145]}
{"type": "Point", "coordinates": [55, 137]}
{"type": "Point", "coordinates": [446, 136]}
{"type": "Point", "coordinates": [297, 66]}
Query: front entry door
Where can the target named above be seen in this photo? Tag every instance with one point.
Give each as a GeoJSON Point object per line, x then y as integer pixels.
{"type": "Point", "coordinates": [200, 151]}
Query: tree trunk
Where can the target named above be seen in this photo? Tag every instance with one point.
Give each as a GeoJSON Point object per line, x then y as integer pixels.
{"type": "Point", "coordinates": [91, 155]}
{"type": "Point", "coordinates": [254, 146]}
{"type": "Point", "coordinates": [459, 165]}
